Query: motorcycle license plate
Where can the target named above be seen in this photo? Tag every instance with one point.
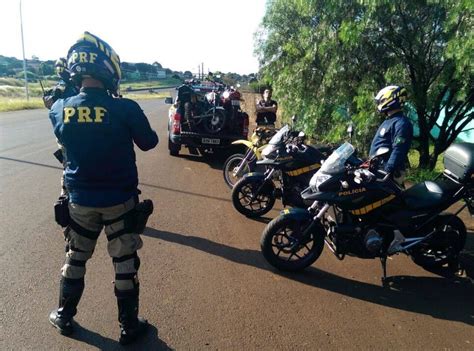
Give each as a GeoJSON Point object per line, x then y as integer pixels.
{"type": "Point", "coordinates": [235, 102]}
{"type": "Point", "coordinates": [211, 141]}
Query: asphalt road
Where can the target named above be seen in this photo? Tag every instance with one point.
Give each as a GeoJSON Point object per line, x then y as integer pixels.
{"type": "Point", "coordinates": [204, 283]}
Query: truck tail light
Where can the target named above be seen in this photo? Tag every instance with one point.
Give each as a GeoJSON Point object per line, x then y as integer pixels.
{"type": "Point", "coordinates": [176, 123]}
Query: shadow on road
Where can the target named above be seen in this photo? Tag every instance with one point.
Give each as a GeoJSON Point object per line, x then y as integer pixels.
{"type": "Point", "coordinates": [142, 184]}
{"type": "Point", "coordinates": [186, 192]}
{"type": "Point", "coordinates": [30, 163]}
{"type": "Point", "coordinates": [215, 161]}
{"type": "Point", "coordinates": [150, 340]}
{"type": "Point", "coordinates": [441, 298]}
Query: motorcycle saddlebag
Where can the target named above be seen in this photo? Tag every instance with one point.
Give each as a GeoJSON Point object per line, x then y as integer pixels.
{"type": "Point", "coordinates": [459, 162]}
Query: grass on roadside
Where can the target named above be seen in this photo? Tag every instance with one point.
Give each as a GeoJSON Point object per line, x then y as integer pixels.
{"type": "Point", "coordinates": [150, 83]}
{"type": "Point", "coordinates": [20, 104]}
{"type": "Point", "coordinates": [145, 96]}
{"type": "Point", "coordinates": [16, 103]}
{"type": "Point", "coordinates": [416, 174]}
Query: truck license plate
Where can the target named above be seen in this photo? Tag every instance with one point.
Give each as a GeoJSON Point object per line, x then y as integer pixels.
{"type": "Point", "coordinates": [211, 141]}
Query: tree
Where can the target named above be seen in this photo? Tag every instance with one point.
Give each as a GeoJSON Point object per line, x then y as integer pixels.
{"type": "Point", "coordinates": [326, 61]}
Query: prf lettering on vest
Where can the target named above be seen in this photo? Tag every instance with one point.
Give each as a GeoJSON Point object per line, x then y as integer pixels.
{"type": "Point", "coordinates": [83, 57]}
{"type": "Point", "coordinates": [84, 114]}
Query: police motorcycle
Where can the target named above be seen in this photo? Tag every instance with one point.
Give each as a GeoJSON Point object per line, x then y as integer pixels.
{"type": "Point", "coordinates": [358, 210]}
{"type": "Point", "coordinates": [289, 163]}
{"type": "Point", "coordinates": [239, 164]}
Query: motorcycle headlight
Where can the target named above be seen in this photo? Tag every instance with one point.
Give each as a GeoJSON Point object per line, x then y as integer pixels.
{"type": "Point", "coordinates": [317, 180]}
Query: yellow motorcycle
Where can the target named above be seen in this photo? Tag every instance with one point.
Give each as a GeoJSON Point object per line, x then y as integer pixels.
{"type": "Point", "coordinates": [237, 165]}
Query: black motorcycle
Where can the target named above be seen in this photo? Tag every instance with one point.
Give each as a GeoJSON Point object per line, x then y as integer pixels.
{"type": "Point", "coordinates": [289, 163]}
{"type": "Point", "coordinates": [362, 212]}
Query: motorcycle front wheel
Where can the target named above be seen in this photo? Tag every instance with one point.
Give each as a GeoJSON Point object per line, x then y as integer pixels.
{"type": "Point", "coordinates": [245, 201]}
{"type": "Point", "coordinates": [281, 246]}
{"type": "Point", "coordinates": [445, 245]}
{"type": "Point", "coordinates": [236, 166]}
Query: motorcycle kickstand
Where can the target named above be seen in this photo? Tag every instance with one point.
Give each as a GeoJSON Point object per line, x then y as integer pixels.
{"type": "Point", "coordinates": [383, 260]}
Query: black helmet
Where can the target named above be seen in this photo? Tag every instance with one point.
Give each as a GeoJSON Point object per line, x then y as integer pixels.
{"type": "Point", "coordinates": [61, 69]}
{"type": "Point", "coordinates": [391, 98]}
{"type": "Point", "coordinates": [91, 56]}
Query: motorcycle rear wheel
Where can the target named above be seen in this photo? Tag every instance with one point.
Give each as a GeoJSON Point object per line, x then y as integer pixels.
{"type": "Point", "coordinates": [215, 120]}
{"type": "Point", "coordinates": [242, 194]}
{"type": "Point", "coordinates": [280, 246]}
{"type": "Point", "coordinates": [445, 245]}
{"type": "Point", "coordinates": [232, 164]}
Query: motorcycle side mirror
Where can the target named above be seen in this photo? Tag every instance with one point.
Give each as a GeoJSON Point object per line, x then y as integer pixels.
{"type": "Point", "coordinates": [238, 85]}
{"type": "Point", "coordinates": [169, 100]}
{"type": "Point", "coordinates": [293, 118]}
{"type": "Point", "coordinates": [301, 134]}
{"type": "Point", "coordinates": [350, 128]}
{"type": "Point", "coordinates": [382, 151]}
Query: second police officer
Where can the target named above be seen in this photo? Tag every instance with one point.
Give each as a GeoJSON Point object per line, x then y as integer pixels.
{"type": "Point", "coordinates": [395, 133]}
{"type": "Point", "coordinates": [98, 132]}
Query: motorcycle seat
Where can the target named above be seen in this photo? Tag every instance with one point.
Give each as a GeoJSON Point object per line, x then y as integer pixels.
{"type": "Point", "coordinates": [428, 194]}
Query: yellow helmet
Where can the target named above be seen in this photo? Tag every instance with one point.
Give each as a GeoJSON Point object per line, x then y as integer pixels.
{"type": "Point", "coordinates": [390, 98]}
{"type": "Point", "coordinates": [91, 56]}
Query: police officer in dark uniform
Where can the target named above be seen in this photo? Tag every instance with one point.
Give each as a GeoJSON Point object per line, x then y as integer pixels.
{"type": "Point", "coordinates": [65, 87]}
{"type": "Point", "coordinates": [99, 132]}
{"type": "Point", "coordinates": [395, 133]}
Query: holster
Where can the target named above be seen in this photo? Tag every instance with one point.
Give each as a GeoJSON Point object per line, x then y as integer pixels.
{"type": "Point", "coordinates": [136, 219]}
{"type": "Point", "coordinates": [58, 154]}
{"type": "Point", "coordinates": [61, 211]}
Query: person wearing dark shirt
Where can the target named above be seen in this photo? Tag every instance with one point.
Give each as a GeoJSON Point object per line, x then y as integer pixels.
{"type": "Point", "coordinates": [98, 132]}
{"type": "Point", "coordinates": [395, 133]}
{"type": "Point", "coordinates": [64, 89]}
{"type": "Point", "coordinates": [266, 109]}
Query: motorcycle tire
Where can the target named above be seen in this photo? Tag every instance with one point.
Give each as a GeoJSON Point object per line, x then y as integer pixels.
{"type": "Point", "coordinates": [215, 121]}
{"type": "Point", "coordinates": [233, 162]}
{"type": "Point", "coordinates": [173, 148]}
{"type": "Point", "coordinates": [445, 246]}
{"type": "Point", "coordinates": [275, 244]}
{"type": "Point", "coordinates": [189, 118]}
{"type": "Point", "coordinates": [243, 191]}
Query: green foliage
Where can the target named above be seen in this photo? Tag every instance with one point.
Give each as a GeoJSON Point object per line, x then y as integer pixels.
{"type": "Point", "coordinates": [327, 59]}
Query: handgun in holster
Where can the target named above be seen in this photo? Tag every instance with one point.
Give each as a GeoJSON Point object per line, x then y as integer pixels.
{"type": "Point", "coordinates": [137, 218]}
{"type": "Point", "coordinates": [58, 154]}
{"type": "Point", "coordinates": [61, 211]}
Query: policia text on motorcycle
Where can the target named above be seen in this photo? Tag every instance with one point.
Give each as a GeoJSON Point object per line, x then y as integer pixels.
{"type": "Point", "coordinates": [98, 132]}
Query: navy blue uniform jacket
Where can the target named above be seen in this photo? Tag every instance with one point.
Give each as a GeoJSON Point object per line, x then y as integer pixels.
{"type": "Point", "coordinates": [395, 133]}
{"type": "Point", "coordinates": [98, 132]}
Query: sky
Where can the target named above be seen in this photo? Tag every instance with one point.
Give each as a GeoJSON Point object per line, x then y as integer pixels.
{"type": "Point", "coordinates": [179, 34]}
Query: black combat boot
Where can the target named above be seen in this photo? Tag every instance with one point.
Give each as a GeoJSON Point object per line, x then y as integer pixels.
{"type": "Point", "coordinates": [131, 326]}
{"type": "Point", "coordinates": [70, 292]}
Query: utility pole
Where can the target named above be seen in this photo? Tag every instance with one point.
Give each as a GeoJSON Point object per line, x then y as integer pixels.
{"type": "Point", "coordinates": [202, 70]}
{"type": "Point", "coordinates": [24, 59]}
